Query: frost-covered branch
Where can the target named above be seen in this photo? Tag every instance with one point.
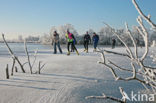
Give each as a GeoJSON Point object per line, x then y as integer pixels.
{"type": "Point", "coordinates": [15, 58]}
{"type": "Point", "coordinates": [13, 65]}
{"type": "Point", "coordinates": [145, 37]}
{"type": "Point", "coordinates": [123, 69]}
{"type": "Point", "coordinates": [127, 47]}
{"type": "Point", "coordinates": [116, 77]}
{"type": "Point", "coordinates": [123, 100]}
{"type": "Point", "coordinates": [12, 54]}
{"type": "Point", "coordinates": [7, 71]}
{"type": "Point", "coordinates": [35, 56]}
{"type": "Point", "coordinates": [40, 67]}
{"type": "Point", "coordinates": [132, 38]}
{"type": "Point", "coordinates": [28, 57]}
{"type": "Point", "coordinates": [147, 18]}
{"type": "Point", "coordinates": [145, 75]}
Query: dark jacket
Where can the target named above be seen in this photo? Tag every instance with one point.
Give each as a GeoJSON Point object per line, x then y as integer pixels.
{"type": "Point", "coordinates": [113, 41]}
{"type": "Point", "coordinates": [87, 38]}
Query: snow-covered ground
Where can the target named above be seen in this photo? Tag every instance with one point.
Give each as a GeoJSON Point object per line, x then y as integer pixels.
{"type": "Point", "coordinates": [64, 79]}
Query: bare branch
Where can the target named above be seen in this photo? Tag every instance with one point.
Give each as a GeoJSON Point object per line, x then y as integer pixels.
{"type": "Point", "coordinates": [25, 63]}
{"type": "Point", "coordinates": [124, 96]}
{"type": "Point", "coordinates": [121, 54]}
{"type": "Point", "coordinates": [40, 67]}
{"type": "Point", "coordinates": [139, 20]}
{"type": "Point", "coordinates": [12, 54]}
{"type": "Point", "coordinates": [16, 69]}
{"type": "Point", "coordinates": [105, 97]}
{"type": "Point", "coordinates": [28, 58]}
{"type": "Point", "coordinates": [7, 71]}
{"type": "Point", "coordinates": [13, 65]}
{"type": "Point", "coordinates": [123, 69]}
{"type": "Point", "coordinates": [134, 70]}
{"type": "Point", "coordinates": [135, 46]}
{"type": "Point", "coordinates": [127, 47]}
{"type": "Point", "coordinates": [147, 18]}
{"type": "Point", "coordinates": [35, 56]}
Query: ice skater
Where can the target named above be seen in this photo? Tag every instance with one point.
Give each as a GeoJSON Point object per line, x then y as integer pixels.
{"type": "Point", "coordinates": [55, 42]}
{"type": "Point", "coordinates": [95, 39]}
{"type": "Point", "coordinates": [70, 41]}
{"type": "Point", "coordinates": [87, 40]}
{"type": "Point", "coordinates": [113, 43]}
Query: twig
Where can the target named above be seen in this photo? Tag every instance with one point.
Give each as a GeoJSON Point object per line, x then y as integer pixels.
{"type": "Point", "coordinates": [121, 54]}
{"type": "Point", "coordinates": [35, 55]}
{"type": "Point", "coordinates": [145, 37]}
{"type": "Point", "coordinates": [7, 71]}
{"type": "Point", "coordinates": [143, 15]}
{"type": "Point", "coordinates": [16, 69]}
{"type": "Point", "coordinates": [132, 38]}
{"type": "Point", "coordinates": [127, 47]}
{"type": "Point", "coordinates": [40, 67]}
{"type": "Point", "coordinates": [28, 58]}
{"type": "Point", "coordinates": [106, 97]}
{"type": "Point", "coordinates": [12, 70]}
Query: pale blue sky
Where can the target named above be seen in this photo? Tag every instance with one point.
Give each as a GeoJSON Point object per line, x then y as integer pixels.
{"type": "Point", "coordinates": [37, 16]}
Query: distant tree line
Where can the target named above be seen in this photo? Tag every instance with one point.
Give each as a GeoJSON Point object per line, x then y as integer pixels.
{"type": "Point", "coordinates": [105, 34]}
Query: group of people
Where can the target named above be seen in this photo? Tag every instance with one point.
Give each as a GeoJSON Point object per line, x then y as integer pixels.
{"type": "Point", "coordinates": [71, 41]}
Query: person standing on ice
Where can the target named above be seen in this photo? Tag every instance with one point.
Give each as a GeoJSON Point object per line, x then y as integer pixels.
{"type": "Point", "coordinates": [95, 39]}
{"type": "Point", "coordinates": [55, 42]}
{"type": "Point", "coordinates": [87, 40]}
{"type": "Point", "coordinates": [70, 41]}
{"type": "Point", "coordinates": [113, 43]}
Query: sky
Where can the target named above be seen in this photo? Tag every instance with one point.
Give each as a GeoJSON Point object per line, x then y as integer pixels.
{"type": "Point", "coordinates": [34, 17]}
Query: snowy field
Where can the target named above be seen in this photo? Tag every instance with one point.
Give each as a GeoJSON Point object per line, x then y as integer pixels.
{"type": "Point", "coordinates": [64, 79]}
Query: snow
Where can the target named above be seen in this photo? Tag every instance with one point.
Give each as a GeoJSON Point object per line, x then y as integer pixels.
{"type": "Point", "coordinates": [153, 44]}
{"type": "Point", "coordinates": [64, 79]}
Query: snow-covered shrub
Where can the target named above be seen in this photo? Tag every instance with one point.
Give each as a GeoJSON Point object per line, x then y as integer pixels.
{"type": "Point", "coordinates": [141, 72]}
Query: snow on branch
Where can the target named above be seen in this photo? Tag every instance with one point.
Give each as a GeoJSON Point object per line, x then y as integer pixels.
{"type": "Point", "coordinates": [15, 58]}
{"type": "Point", "coordinates": [35, 56]}
{"type": "Point", "coordinates": [132, 38]}
{"type": "Point", "coordinates": [147, 18]}
{"type": "Point", "coordinates": [28, 57]}
{"type": "Point", "coordinates": [116, 77]}
{"type": "Point", "coordinates": [123, 100]}
{"type": "Point", "coordinates": [127, 47]}
{"type": "Point", "coordinates": [145, 37]}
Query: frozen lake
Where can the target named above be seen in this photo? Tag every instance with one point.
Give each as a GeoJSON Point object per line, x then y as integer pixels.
{"type": "Point", "coordinates": [18, 48]}
{"type": "Point", "coordinates": [65, 79]}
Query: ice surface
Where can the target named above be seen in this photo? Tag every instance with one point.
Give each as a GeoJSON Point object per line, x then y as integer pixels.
{"type": "Point", "coordinates": [64, 79]}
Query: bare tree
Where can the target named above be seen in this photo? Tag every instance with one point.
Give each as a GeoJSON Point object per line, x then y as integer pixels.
{"type": "Point", "coordinates": [29, 61]}
{"type": "Point", "coordinates": [140, 72]}
{"type": "Point", "coordinates": [12, 54]}
{"type": "Point", "coordinates": [15, 58]}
